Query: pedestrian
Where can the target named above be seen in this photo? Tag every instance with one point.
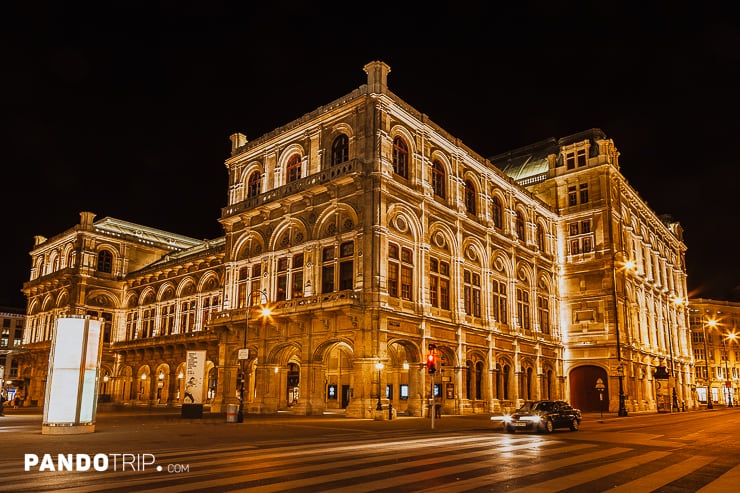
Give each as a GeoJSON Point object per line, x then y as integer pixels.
{"type": "Point", "coordinates": [2, 401]}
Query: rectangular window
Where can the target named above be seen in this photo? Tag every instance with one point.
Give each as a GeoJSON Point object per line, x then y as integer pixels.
{"type": "Point", "coordinates": [297, 290]}
{"type": "Point", "coordinates": [406, 276]}
{"type": "Point", "coordinates": [187, 316]}
{"type": "Point", "coordinates": [476, 295]}
{"type": "Point", "coordinates": [583, 189]}
{"type": "Point", "coordinates": [345, 275]}
{"type": "Point", "coordinates": [439, 284]}
{"type": "Point", "coordinates": [543, 314]}
{"type": "Point", "coordinates": [471, 293]}
{"type": "Point", "coordinates": [328, 253]}
{"type": "Point", "coordinates": [522, 308]}
{"type": "Point", "coordinates": [282, 287]}
{"type": "Point", "coordinates": [575, 247]}
{"type": "Point", "coordinates": [586, 226]}
{"type": "Point", "coordinates": [572, 197]}
{"type": "Point", "coordinates": [327, 279]}
{"type": "Point", "coordinates": [587, 247]}
{"type": "Point", "coordinates": [393, 279]}
{"type": "Point", "coordinates": [498, 301]}
{"type": "Point", "coordinates": [400, 271]}
{"type": "Point", "coordinates": [573, 229]}
{"type": "Point", "coordinates": [581, 157]}
{"type": "Point", "coordinates": [570, 160]}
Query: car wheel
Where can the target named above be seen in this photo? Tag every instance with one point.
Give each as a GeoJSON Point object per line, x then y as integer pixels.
{"type": "Point", "coordinates": [547, 426]}
{"type": "Point", "coordinates": [574, 425]}
{"type": "Point", "coordinates": [509, 429]}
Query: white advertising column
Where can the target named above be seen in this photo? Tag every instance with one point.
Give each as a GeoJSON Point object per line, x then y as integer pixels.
{"type": "Point", "coordinates": [72, 382]}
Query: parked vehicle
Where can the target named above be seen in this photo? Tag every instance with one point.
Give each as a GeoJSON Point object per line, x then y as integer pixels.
{"type": "Point", "coordinates": [541, 416]}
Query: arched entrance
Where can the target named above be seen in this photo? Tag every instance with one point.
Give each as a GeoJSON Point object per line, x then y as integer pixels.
{"type": "Point", "coordinates": [583, 393]}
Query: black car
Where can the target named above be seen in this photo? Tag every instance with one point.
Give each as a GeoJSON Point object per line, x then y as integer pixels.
{"type": "Point", "coordinates": [542, 416]}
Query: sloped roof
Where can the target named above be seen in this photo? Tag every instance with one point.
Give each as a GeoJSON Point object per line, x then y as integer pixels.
{"type": "Point", "coordinates": [145, 233]}
{"type": "Point", "coordinates": [526, 162]}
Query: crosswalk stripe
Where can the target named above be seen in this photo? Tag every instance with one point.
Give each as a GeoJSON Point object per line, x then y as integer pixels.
{"type": "Point", "coordinates": [322, 477]}
{"type": "Point", "coordinates": [664, 476]}
{"type": "Point", "coordinates": [488, 479]}
{"type": "Point", "coordinates": [247, 467]}
{"type": "Point", "coordinates": [564, 482]}
{"type": "Point", "coordinates": [396, 481]}
{"type": "Point", "coordinates": [727, 482]}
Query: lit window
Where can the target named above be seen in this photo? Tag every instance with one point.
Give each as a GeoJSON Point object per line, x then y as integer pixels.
{"type": "Point", "coordinates": [400, 157]}
{"type": "Point", "coordinates": [340, 150]}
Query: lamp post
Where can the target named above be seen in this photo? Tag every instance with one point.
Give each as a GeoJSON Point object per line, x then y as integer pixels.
{"type": "Point", "coordinates": [711, 323]}
{"type": "Point", "coordinates": [674, 401]}
{"type": "Point", "coordinates": [728, 384]}
{"type": "Point", "coordinates": [622, 411]}
{"type": "Point", "coordinates": [244, 353]}
{"type": "Point", "coordinates": [620, 375]}
{"type": "Point", "coordinates": [379, 366]}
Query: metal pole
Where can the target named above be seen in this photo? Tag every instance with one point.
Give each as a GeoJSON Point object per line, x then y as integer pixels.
{"type": "Point", "coordinates": [674, 402]}
{"type": "Point", "coordinates": [379, 407]}
{"type": "Point", "coordinates": [433, 407]}
{"type": "Point", "coordinates": [706, 366]}
{"type": "Point", "coordinates": [240, 415]}
{"type": "Point", "coordinates": [727, 375]}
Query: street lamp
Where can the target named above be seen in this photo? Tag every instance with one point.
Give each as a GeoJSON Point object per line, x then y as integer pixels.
{"type": "Point", "coordinates": [728, 383]}
{"type": "Point", "coordinates": [712, 323]}
{"type": "Point", "coordinates": [628, 265]}
{"type": "Point", "coordinates": [379, 366]}
{"type": "Point", "coordinates": [620, 375]}
{"type": "Point", "coordinates": [674, 402]}
{"type": "Point", "coordinates": [244, 354]}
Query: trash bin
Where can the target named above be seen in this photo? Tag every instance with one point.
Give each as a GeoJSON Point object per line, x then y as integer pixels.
{"type": "Point", "coordinates": [231, 413]}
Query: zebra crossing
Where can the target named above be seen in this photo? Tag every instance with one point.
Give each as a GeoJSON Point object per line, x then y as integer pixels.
{"type": "Point", "coordinates": [442, 463]}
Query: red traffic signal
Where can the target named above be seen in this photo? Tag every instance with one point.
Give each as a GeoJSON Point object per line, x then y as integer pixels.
{"type": "Point", "coordinates": [432, 360]}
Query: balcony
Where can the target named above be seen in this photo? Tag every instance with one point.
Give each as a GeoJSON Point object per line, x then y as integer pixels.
{"type": "Point", "coordinates": [295, 187]}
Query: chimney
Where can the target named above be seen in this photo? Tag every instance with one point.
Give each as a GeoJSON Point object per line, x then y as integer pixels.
{"type": "Point", "coordinates": [86, 219]}
{"type": "Point", "coordinates": [237, 140]}
{"type": "Point", "coordinates": [377, 77]}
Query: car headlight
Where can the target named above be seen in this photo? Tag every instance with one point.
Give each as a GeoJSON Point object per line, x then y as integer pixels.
{"type": "Point", "coordinates": [534, 419]}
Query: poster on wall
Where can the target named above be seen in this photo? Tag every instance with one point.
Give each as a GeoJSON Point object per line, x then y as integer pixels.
{"type": "Point", "coordinates": [195, 373]}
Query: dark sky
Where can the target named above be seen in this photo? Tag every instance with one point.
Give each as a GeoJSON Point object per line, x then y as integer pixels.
{"type": "Point", "coordinates": [127, 112]}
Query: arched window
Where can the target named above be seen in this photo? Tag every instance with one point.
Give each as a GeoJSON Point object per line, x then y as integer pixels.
{"type": "Point", "coordinates": [105, 261]}
{"type": "Point", "coordinates": [340, 150]}
{"type": "Point", "coordinates": [293, 169]}
{"type": "Point", "coordinates": [469, 197]}
{"type": "Point", "coordinates": [520, 226]}
{"type": "Point", "coordinates": [497, 212]}
{"type": "Point", "coordinates": [400, 157]}
{"type": "Point", "coordinates": [540, 238]}
{"type": "Point", "coordinates": [438, 179]}
{"type": "Point", "coordinates": [254, 184]}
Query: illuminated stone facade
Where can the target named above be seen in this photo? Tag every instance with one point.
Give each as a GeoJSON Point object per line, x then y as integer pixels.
{"type": "Point", "coordinates": [714, 333]}
{"type": "Point", "coordinates": [371, 233]}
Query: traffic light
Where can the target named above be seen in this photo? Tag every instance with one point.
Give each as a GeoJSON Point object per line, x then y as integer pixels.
{"type": "Point", "coordinates": [432, 360]}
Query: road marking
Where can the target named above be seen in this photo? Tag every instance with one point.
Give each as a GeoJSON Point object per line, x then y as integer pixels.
{"type": "Point", "coordinates": [666, 475]}
{"type": "Point", "coordinates": [727, 482]}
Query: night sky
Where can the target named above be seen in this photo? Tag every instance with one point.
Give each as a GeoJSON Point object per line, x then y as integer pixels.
{"type": "Point", "coordinates": [127, 112]}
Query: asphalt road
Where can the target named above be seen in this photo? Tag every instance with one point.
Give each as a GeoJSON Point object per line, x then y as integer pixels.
{"type": "Point", "coordinates": [678, 452]}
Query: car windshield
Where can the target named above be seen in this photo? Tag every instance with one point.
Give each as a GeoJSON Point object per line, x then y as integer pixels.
{"type": "Point", "coordinates": [544, 406]}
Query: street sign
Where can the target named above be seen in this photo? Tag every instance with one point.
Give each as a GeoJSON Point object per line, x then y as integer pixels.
{"type": "Point", "coordinates": [244, 354]}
